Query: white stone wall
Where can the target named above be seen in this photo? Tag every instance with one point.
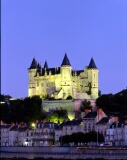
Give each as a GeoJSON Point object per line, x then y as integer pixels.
{"type": "Point", "coordinates": [13, 138]}
{"type": "Point", "coordinates": [125, 134]}
{"type": "Point", "coordinates": [59, 104]}
{"type": "Point", "coordinates": [4, 136]}
{"type": "Point", "coordinates": [47, 84]}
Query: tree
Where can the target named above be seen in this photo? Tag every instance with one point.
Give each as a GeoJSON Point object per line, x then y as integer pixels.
{"type": "Point", "coordinates": [45, 96]}
{"type": "Point", "coordinates": [26, 110]}
{"type": "Point", "coordinates": [113, 104]}
{"type": "Point", "coordinates": [82, 137]}
{"type": "Point", "coordinates": [69, 97]}
{"type": "Point", "coordinates": [85, 105]}
{"type": "Point", "coordinates": [58, 116]}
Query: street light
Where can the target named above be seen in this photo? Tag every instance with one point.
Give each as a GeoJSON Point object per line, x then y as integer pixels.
{"type": "Point", "coordinates": [33, 125]}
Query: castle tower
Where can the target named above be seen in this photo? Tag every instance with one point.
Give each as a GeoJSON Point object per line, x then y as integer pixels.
{"type": "Point", "coordinates": [93, 79]}
{"type": "Point", "coordinates": [66, 77]}
{"type": "Point", "coordinates": [31, 73]}
{"type": "Point", "coordinates": [46, 65]}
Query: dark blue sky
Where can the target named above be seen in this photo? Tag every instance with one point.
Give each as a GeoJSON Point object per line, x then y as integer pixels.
{"type": "Point", "coordinates": [46, 29]}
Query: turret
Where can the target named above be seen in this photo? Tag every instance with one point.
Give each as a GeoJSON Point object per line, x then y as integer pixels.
{"type": "Point", "coordinates": [46, 65]}
{"type": "Point", "coordinates": [93, 79]}
{"type": "Point", "coordinates": [66, 81]}
{"type": "Point", "coordinates": [32, 72]}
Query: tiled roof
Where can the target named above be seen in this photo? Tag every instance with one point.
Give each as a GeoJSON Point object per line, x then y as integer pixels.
{"type": "Point", "coordinates": [104, 120]}
{"type": "Point", "coordinates": [14, 128]}
{"type": "Point", "coordinates": [21, 129]}
{"type": "Point", "coordinates": [91, 115]}
{"type": "Point", "coordinates": [77, 72]}
{"type": "Point", "coordinates": [66, 61]}
{"type": "Point", "coordinates": [73, 122]}
{"type": "Point", "coordinates": [39, 66]}
{"type": "Point", "coordinates": [33, 64]}
{"type": "Point", "coordinates": [92, 64]}
{"type": "Point", "coordinates": [52, 70]}
{"type": "Point", "coordinates": [116, 124]}
{"type": "Point", "coordinates": [46, 65]}
{"type": "Point", "coordinates": [5, 126]}
{"type": "Point", "coordinates": [59, 126]}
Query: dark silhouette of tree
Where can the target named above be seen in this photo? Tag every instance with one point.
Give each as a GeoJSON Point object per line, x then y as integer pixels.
{"type": "Point", "coordinates": [85, 105]}
{"type": "Point", "coordinates": [113, 104]}
{"type": "Point", "coordinates": [26, 110]}
{"type": "Point", "coordinates": [82, 137]}
{"type": "Point", "coordinates": [69, 97]}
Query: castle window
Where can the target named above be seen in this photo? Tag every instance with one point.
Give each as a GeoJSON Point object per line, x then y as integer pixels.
{"type": "Point", "coordinates": [37, 83]}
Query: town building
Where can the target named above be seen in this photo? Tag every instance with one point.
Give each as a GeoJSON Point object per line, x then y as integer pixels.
{"type": "Point", "coordinates": [62, 82]}
{"type": "Point", "coordinates": [90, 120]}
{"type": "Point", "coordinates": [116, 133]}
{"type": "Point", "coordinates": [4, 134]}
{"type": "Point", "coordinates": [44, 134]}
{"type": "Point", "coordinates": [48, 134]}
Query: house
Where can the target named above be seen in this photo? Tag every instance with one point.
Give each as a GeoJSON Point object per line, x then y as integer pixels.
{"type": "Point", "coordinates": [91, 118]}
{"type": "Point", "coordinates": [4, 134]}
{"type": "Point", "coordinates": [44, 134]}
{"type": "Point", "coordinates": [115, 133]}
{"type": "Point", "coordinates": [101, 126]}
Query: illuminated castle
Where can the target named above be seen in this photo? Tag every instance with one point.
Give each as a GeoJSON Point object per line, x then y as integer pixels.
{"type": "Point", "coordinates": [61, 82]}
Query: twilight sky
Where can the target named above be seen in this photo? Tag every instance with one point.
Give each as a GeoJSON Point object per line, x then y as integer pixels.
{"type": "Point", "coordinates": [46, 29]}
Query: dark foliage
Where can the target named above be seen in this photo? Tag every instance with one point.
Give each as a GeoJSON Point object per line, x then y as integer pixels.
{"type": "Point", "coordinates": [85, 105]}
{"type": "Point", "coordinates": [19, 110]}
{"type": "Point", "coordinates": [69, 97]}
{"type": "Point", "coordinates": [113, 104]}
{"type": "Point", "coordinates": [82, 137]}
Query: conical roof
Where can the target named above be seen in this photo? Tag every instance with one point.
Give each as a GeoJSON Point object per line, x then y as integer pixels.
{"type": "Point", "coordinates": [38, 65]}
{"type": "Point", "coordinates": [66, 61]}
{"type": "Point", "coordinates": [33, 64]}
{"type": "Point", "coordinates": [92, 64]}
{"type": "Point", "coordinates": [46, 65]}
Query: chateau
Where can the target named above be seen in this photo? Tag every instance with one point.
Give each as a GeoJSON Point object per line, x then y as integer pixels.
{"type": "Point", "coordinates": [61, 82]}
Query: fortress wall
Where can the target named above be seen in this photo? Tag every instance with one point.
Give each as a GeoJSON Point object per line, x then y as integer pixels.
{"type": "Point", "coordinates": [59, 104]}
{"type": "Point", "coordinates": [72, 106]}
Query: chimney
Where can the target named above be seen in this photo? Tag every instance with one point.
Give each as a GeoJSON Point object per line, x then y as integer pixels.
{"type": "Point", "coordinates": [12, 124]}
{"type": "Point", "coordinates": [1, 122]}
{"type": "Point", "coordinates": [116, 118]}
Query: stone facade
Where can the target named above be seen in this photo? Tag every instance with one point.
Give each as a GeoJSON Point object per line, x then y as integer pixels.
{"type": "Point", "coordinates": [63, 81]}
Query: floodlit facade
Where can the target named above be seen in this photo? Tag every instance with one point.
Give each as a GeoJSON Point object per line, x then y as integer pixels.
{"type": "Point", "coordinates": [61, 82]}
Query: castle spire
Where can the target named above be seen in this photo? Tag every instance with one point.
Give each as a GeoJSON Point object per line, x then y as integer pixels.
{"type": "Point", "coordinates": [92, 64]}
{"type": "Point", "coordinates": [66, 61]}
{"type": "Point", "coordinates": [46, 65]}
{"type": "Point", "coordinates": [33, 64]}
